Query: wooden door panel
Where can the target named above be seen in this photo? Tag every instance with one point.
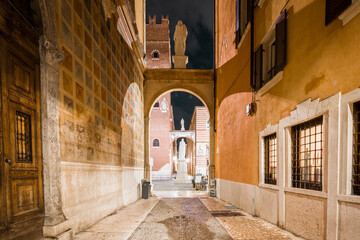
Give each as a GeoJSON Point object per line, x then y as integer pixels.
{"type": "Point", "coordinates": [24, 192]}
{"type": "Point", "coordinates": [22, 73]}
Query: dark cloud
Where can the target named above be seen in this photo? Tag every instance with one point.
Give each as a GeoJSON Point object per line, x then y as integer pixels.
{"type": "Point", "coordinates": [198, 17]}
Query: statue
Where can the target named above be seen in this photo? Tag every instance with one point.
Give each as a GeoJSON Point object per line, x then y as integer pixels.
{"type": "Point", "coordinates": [182, 149]}
{"type": "Point", "coordinates": [182, 124]}
{"type": "Point", "coordinates": [180, 38]}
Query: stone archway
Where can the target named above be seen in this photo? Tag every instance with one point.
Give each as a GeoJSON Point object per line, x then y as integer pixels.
{"type": "Point", "coordinates": [197, 82]}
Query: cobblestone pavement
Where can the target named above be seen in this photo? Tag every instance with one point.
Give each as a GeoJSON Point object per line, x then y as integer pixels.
{"type": "Point", "coordinates": [182, 215]}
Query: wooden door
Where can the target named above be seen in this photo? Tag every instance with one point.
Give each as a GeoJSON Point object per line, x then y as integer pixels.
{"type": "Point", "coordinates": [22, 203]}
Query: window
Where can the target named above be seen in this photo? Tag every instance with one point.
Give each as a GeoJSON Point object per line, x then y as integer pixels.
{"type": "Point", "coordinates": [156, 143]}
{"type": "Point", "coordinates": [307, 154]}
{"type": "Point", "coordinates": [334, 8]}
{"type": "Point", "coordinates": [243, 13]}
{"type": "Point", "coordinates": [356, 154]}
{"type": "Point", "coordinates": [270, 143]}
{"type": "Point", "coordinates": [23, 138]}
{"type": "Point", "coordinates": [270, 57]}
{"type": "Point", "coordinates": [156, 105]}
{"type": "Point", "coordinates": [155, 55]}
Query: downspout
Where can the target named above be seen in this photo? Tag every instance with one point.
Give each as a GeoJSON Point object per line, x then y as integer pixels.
{"type": "Point", "coordinates": [214, 63]}
{"type": "Point", "coordinates": [252, 47]}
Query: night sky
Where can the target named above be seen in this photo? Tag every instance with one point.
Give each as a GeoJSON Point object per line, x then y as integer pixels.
{"type": "Point", "coordinates": [183, 106]}
{"type": "Point", "coordinates": [197, 15]}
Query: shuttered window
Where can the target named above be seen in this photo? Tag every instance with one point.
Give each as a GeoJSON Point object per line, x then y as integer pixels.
{"type": "Point", "coordinates": [334, 8]}
{"type": "Point", "coordinates": [271, 69]}
{"type": "Point", "coordinates": [243, 14]}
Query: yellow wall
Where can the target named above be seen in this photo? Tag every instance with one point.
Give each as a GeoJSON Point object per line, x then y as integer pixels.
{"type": "Point", "coordinates": [321, 61]}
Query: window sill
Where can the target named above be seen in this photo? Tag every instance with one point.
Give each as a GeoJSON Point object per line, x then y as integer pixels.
{"type": "Point", "coordinates": [269, 186]}
{"type": "Point", "coordinates": [349, 198]}
{"type": "Point", "coordinates": [307, 192]}
{"type": "Point", "coordinates": [278, 77]}
{"type": "Point", "coordinates": [350, 12]}
{"type": "Point", "coordinates": [247, 29]}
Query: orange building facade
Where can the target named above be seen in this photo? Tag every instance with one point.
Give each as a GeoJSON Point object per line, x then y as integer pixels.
{"type": "Point", "coordinates": [294, 160]}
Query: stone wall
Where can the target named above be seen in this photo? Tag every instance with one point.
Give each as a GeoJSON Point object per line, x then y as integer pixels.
{"type": "Point", "coordinates": [101, 114]}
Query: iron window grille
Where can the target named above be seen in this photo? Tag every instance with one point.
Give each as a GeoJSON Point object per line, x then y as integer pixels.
{"type": "Point", "coordinates": [23, 138]}
{"type": "Point", "coordinates": [307, 154]}
{"type": "Point", "coordinates": [356, 151]}
{"type": "Point", "coordinates": [270, 143]}
{"type": "Point", "coordinates": [156, 143]}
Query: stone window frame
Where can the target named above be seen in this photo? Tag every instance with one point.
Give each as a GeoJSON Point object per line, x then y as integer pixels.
{"type": "Point", "coordinates": [152, 55]}
{"type": "Point", "coordinates": [269, 130]}
{"type": "Point", "coordinates": [346, 146]}
{"type": "Point", "coordinates": [153, 143]}
{"type": "Point", "coordinates": [305, 111]}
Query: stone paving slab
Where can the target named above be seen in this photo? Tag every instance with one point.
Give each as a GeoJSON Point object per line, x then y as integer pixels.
{"type": "Point", "coordinates": [182, 215]}
{"type": "Point", "coordinates": [178, 219]}
{"type": "Point", "coordinates": [120, 225]}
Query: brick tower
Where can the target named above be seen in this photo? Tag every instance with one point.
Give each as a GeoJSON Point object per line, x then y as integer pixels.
{"type": "Point", "coordinates": [158, 43]}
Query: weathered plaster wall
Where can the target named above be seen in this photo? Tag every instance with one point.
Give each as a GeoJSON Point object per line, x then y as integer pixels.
{"type": "Point", "coordinates": [101, 114]}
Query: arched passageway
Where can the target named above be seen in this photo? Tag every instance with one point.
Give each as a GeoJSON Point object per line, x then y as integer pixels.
{"type": "Point", "coordinates": [200, 83]}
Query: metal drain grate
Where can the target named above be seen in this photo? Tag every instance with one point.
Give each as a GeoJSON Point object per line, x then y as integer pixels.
{"type": "Point", "coordinates": [230, 207]}
{"type": "Point", "coordinates": [226, 214]}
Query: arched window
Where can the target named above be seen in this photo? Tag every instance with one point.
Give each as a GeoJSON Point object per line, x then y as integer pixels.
{"type": "Point", "coordinates": [155, 55]}
{"type": "Point", "coordinates": [156, 105]}
{"type": "Point", "coordinates": [156, 143]}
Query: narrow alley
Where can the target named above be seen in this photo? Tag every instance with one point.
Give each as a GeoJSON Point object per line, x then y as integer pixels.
{"type": "Point", "coordinates": [182, 213]}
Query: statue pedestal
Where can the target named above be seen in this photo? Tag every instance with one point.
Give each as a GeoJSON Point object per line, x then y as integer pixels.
{"type": "Point", "coordinates": [180, 61]}
{"type": "Point", "coordinates": [182, 176]}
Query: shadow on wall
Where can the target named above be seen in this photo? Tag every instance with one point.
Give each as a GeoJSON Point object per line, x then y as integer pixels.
{"type": "Point", "coordinates": [132, 143]}
{"type": "Point", "coordinates": [236, 141]}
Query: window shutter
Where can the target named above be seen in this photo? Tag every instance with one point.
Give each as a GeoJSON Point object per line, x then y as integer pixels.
{"type": "Point", "coordinates": [249, 5]}
{"type": "Point", "coordinates": [280, 43]}
{"type": "Point", "coordinates": [238, 29]}
{"type": "Point", "coordinates": [258, 68]}
{"type": "Point", "coordinates": [334, 8]}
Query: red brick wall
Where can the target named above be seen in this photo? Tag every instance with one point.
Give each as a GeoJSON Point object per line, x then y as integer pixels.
{"type": "Point", "coordinates": [160, 125]}
{"type": "Point", "coordinates": [158, 39]}
{"type": "Point", "coordinates": [199, 123]}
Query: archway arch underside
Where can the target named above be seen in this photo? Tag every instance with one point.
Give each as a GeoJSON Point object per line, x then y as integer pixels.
{"type": "Point", "coordinates": [197, 82]}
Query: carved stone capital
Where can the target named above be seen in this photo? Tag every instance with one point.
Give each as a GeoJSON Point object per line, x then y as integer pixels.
{"type": "Point", "coordinates": [53, 54]}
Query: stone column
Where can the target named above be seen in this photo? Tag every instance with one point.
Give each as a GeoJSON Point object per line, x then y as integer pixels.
{"type": "Point", "coordinates": [147, 173]}
{"type": "Point", "coordinates": [212, 150]}
{"type": "Point", "coordinates": [55, 221]}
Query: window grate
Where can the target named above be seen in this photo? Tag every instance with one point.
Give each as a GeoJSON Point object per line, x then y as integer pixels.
{"type": "Point", "coordinates": [356, 151]}
{"type": "Point", "coordinates": [307, 154]}
{"type": "Point", "coordinates": [270, 159]}
{"type": "Point", "coordinates": [23, 138]}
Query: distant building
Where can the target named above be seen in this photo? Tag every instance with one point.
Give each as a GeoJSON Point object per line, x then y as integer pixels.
{"type": "Point", "coordinates": [201, 150]}
{"type": "Point", "coordinates": [161, 123]}
{"type": "Point", "coordinates": [158, 43]}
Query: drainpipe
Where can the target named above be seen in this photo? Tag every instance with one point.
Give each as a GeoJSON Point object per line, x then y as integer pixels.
{"type": "Point", "coordinates": [214, 63]}
{"type": "Point", "coordinates": [252, 47]}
